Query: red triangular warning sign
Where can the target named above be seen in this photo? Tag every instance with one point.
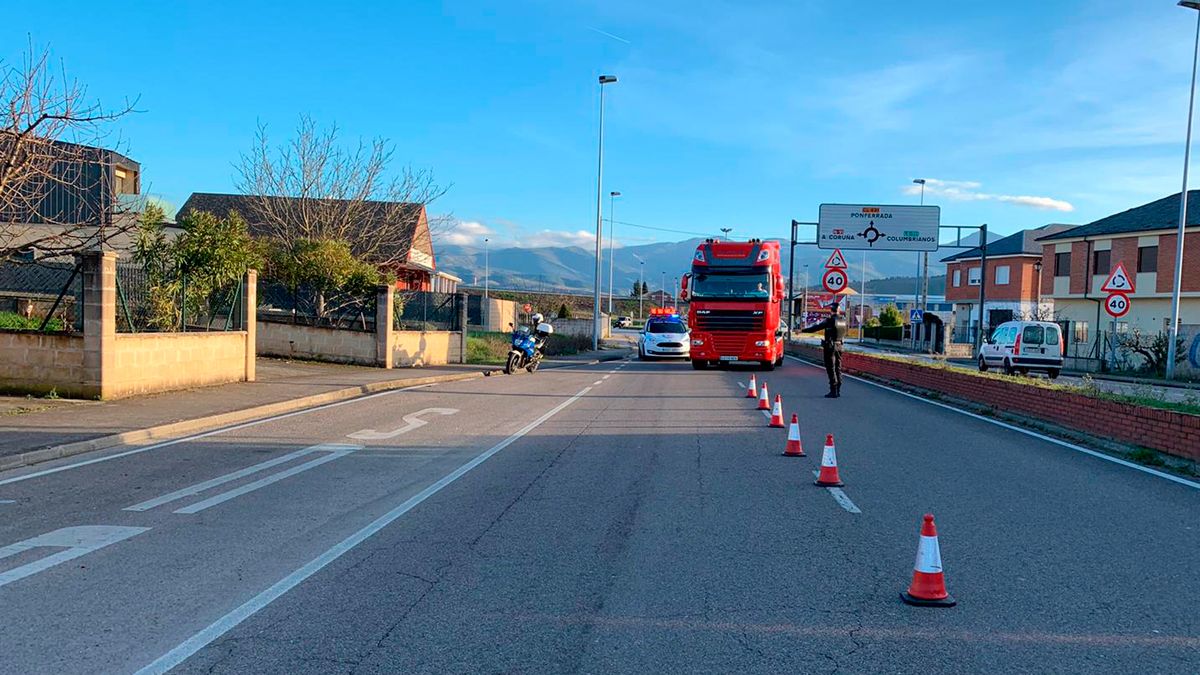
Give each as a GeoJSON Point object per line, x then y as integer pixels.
{"type": "Point", "coordinates": [1118, 281]}
{"type": "Point", "coordinates": [836, 260]}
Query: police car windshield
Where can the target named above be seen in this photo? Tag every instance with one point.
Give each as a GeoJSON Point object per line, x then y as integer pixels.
{"type": "Point", "coordinates": [755, 286]}
{"type": "Point", "coordinates": [665, 327]}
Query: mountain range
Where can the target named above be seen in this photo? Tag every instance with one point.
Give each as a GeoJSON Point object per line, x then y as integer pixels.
{"type": "Point", "coordinates": [572, 268]}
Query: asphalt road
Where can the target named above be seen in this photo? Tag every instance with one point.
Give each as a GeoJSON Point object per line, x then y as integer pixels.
{"type": "Point", "coordinates": [613, 518]}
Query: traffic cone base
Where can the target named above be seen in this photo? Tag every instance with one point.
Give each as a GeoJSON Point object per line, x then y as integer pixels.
{"type": "Point", "coordinates": [928, 588]}
{"type": "Point", "coordinates": [829, 471]}
{"type": "Point", "coordinates": [794, 449]}
{"type": "Point", "coordinates": [777, 413]}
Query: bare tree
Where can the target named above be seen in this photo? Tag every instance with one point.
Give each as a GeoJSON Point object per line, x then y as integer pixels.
{"type": "Point", "coordinates": [314, 188]}
{"type": "Point", "coordinates": [55, 191]}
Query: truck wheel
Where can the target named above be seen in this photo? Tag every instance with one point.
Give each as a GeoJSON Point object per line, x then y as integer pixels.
{"type": "Point", "coordinates": [699, 365]}
{"type": "Point", "coordinates": [767, 365]}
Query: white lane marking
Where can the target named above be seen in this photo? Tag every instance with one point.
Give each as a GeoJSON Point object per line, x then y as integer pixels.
{"type": "Point", "coordinates": [606, 377]}
{"type": "Point", "coordinates": [226, 623]}
{"type": "Point", "coordinates": [78, 541]}
{"type": "Point", "coordinates": [840, 496]}
{"type": "Point", "coordinates": [411, 421]}
{"type": "Point", "coordinates": [8, 501]}
{"type": "Point", "coordinates": [236, 475]}
{"type": "Point", "coordinates": [336, 452]}
{"type": "Point", "coordinates": [766, 413]}
{"type": "Point", "coordinates": [214, 432]}
{"type": "Point", "coordinates": [1027, 432]}
{"type": "Point", "coordinates": [596, 383]}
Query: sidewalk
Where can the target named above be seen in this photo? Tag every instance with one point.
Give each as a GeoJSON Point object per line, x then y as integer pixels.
{"type": "Point", "coordinates": [37, 430]}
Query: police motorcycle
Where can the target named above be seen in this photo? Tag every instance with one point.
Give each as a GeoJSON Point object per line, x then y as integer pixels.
{"type": "Point", "coordinates": [527, 346]}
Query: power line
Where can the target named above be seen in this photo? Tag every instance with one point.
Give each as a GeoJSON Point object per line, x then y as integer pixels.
{"type": "Point", "coordinates": [663, 229]}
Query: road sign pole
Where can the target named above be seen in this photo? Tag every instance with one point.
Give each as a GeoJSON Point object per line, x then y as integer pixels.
{"type": "Point", "coordinates": [982, 283]}
{"type": "Point", "coordinates": [791, 281]}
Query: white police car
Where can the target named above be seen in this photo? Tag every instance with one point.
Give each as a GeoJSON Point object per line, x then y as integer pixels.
{"type": "Point", "coordinates": [665, 335]}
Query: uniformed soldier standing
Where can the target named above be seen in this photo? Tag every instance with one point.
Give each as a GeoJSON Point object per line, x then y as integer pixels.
{"type": "Point", "coordinates": [831, 347]}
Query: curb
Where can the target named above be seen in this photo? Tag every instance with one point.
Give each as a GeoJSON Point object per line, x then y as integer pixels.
{"type": "Point", "coordinates": [201, 424]}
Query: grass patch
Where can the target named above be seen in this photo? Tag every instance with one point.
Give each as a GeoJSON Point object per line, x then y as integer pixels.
{"type": "Point", "coordinates": [492, 348]}
{"type": "Point", "coordinates": [14, 321]}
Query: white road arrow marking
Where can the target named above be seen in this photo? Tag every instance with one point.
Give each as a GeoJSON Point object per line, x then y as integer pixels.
{"type": "Point", "coordinates": [411, 421]}
{"type": "Point", "coordinates": [78, 541]}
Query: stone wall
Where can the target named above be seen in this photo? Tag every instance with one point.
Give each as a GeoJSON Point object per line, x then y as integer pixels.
{"type": "Point", "coordinates": [317, 343]}
{"type": "Point", "coordinates": [37, 363]}
{"type": "Point", "coordinates": [146, 363]}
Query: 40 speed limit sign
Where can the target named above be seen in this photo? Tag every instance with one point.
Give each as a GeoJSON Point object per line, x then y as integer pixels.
{"type": "Point", "coordinates": [1117, 305]}
{"type": "Point", "coordinates": [835, 280]}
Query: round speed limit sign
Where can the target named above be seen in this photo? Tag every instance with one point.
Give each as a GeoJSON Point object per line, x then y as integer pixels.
{"type": "Point", "coordinates": [1117, 305]}
{"type": "Point", "coordinates": [835, 280]}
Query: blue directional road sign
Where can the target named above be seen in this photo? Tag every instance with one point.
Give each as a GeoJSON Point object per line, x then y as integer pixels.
{"type": "Point", "coordinates": [916, 315]}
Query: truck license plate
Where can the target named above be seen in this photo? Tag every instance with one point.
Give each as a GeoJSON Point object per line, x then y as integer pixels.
{"type": "Point", "coordinates": [729, 358]}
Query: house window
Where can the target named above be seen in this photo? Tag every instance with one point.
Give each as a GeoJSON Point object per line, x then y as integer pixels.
{"type": "Point", "coordinates": [1002, 275]}
{"type": "Point", "coordinates": [973, 276]}
{"type": "Point", "coordinates": [1081, 331]}
{"type": "Point", "coordinates": [1062, 264]}
{"type": "Point", "coordinates": [1101, 262]}
{"type": "Point", "coordinates": [1147, 259]}
{"type": "Point", "coordinates": [958, 277]}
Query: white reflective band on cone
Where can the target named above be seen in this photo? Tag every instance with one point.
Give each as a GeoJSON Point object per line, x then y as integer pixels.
{"type": "Point", "coordinates": [929, 556]}
{"type": "Point", "coordinates": [777, 410]}
{"type": "Point", "coordinates": [829, 457]}
{"type": "Point", "coordinates": [794, 432]}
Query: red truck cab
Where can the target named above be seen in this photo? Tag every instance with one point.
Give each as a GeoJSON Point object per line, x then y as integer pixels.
{"type": "Point", "coordinates": [736, 292]}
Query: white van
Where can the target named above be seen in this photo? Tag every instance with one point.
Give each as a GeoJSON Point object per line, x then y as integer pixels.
{"type": "Point", "coordinates": [1022, 346]}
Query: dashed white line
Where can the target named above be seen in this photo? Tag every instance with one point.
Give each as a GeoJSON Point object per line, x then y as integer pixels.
{"type": "Point", "coordinates": [226, 623]}
{"type": "Point", "coordinates": [840, 496]}
{"type": "Point", "coordinates": [596, 383]}
{"type": "Point", "coordinates": [8, 501]}
{"type": "Point", "coordinates": [606, 376]}
{"type": "Point", "coordinates": [1027, 432]}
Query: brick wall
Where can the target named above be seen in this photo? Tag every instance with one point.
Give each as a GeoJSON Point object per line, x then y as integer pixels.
{"type": "Point", "coordinates": [1080, 265]}
{"type": "Point", "coordinates": [1020, 286]}
{"type": "Point", "coordinates": [1170, 432]}
{"type": "Point", "coordinates": [311, 342]}
{"type": "Point", "coordinates": [145, 363]}
{"type": "Point", "coordinates": [35, 363]}
{"type": "Point", "coordinates": [1166, 262]}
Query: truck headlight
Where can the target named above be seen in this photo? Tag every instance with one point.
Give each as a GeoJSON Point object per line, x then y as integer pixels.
{"type": "Point", "coordinates": [761, 343]}
{"type": "Point", "coordinates": [697, 342]}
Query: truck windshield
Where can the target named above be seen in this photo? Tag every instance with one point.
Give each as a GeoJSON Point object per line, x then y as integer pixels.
{"type": "Point", "coordinates": [753, 286]}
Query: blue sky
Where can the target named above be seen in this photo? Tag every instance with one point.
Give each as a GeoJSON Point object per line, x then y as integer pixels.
{"type": "Point", "coordinates": [727, 114]}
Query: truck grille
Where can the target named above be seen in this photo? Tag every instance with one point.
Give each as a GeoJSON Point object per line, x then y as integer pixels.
{"type": "Point", "coordinates": [728, 344]}
{"type": "Point", "coordinates": [729, 319]}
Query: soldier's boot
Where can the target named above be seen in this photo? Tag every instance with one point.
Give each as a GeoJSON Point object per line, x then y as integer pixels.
{"type": "Point", "coordinates": [832, 391]}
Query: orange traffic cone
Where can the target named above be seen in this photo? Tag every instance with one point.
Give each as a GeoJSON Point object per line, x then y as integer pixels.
{"type": "Point", "coordinates": [794, 449]}
{"type": "Point", "coordinates": [764, 399]}
{"type": "Point", "coordinates": [751, 391]}
{"type": "Point", "coordinates": [829, 471]}
{"type": "Point", "coordinates": [777, 413]}
{"type": "Point", "coordinates": [928, 587]}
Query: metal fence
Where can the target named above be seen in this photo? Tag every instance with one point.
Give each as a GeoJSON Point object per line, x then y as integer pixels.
{"type": "Point", "coordinates": [41, 296]}
{"type": "Point", "coordinates": [426, 310]}
{"type": "Point", "coordinates": [305, 306]}
{"type": "Point", "coordinates": [169, 303]}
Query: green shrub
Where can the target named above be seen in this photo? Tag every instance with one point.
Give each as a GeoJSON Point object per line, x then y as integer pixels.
{"type": "Point", "coordinates": [890, 316]}
{"type": "Point", "coordinates": [12, 321]}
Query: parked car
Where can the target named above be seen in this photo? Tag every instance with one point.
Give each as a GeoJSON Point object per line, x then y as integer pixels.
{"type": "Point", "coordinates": [664, 336]}
{"type": "Point", "coordinates": [1024, 346]}
{"type": "Point", "coordinates": [624, 322]}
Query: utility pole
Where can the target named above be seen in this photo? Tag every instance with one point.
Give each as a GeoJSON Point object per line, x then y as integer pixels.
{"type": "Point", "coordinates": [804, 307]}
{"type": "Point", "coordinates": [604, 79]}
{"type": "Point", "coordinates": [641, 285]}
{"type": "Point", "coordinates": [611, 196]}
{"type": "Point", "coordinates": [1177, 285]}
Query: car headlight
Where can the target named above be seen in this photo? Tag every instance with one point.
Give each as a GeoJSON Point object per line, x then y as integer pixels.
{"type": "Point", "coordinates": [761, 343]}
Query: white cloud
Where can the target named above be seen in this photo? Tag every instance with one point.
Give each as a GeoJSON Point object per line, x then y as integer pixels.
{"type": "Point", "coordinates": [581, 238]}
{"type": "Point", "coordinates": [467, 233]}
{"type": "Point", "coordinates": [968, 191]}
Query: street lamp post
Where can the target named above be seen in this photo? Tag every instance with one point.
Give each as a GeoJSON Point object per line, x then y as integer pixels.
{"type": "Point", "coordinates": [663, 297]}
{"type": "Point", "coordinates": [804, 306]}
{"type": "Point", "coordinates": [1037, 308]}
{"type": "Point", "coordinates": [726, 231]}
{"type": "Point", "coordinates": [611, 196]}
{"type": "Point", "coordinates": [1177, 286]}
{"type": "Point", "coordinates": [487, 268]}
{"type": "Point", "coordinates": [604, 79]}
{"type": "Point", "coordinates": [641, 282]}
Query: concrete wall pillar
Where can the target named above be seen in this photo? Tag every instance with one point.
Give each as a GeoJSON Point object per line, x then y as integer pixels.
{"type": "Point", "coordinates": [249, 311]}
{"type": "Point", "coordinates": [384, 324]}
{"type": "Point", "coordinates": [99, 320]}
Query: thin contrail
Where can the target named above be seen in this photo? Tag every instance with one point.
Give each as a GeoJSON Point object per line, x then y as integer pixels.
{"type": "Point", "coordinates": [615, 37]}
